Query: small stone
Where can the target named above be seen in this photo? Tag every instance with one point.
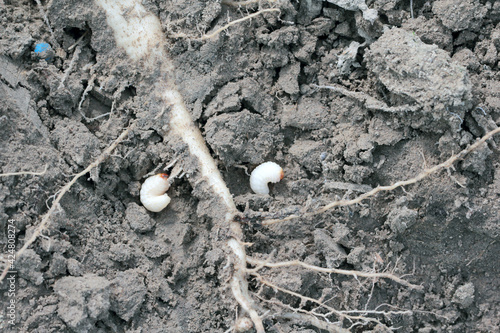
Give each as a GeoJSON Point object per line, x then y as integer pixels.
{"type": "Point", "coordinates": [288, 79]}
{"type": "Point", "coordinates": [57, 266]}
{"type": "Point", "coordinates": [460, 14]}
{"type": "Point", "coordinates": [73, 267]}
{"type": "Point", "coordinates": [334, 254]}
{"type": "Point", "coordinates": [29, 265]}
{"type": "Point", "coordinates": [82, 301]}
{"type": "Point", "coordinates": [464, 295]}
{"type": "Point", "coordinates": [138, 218]}
{"type": "Point", "coordinates": [401, 219]}
{"type": "Point", "coordinates": [127, 294]}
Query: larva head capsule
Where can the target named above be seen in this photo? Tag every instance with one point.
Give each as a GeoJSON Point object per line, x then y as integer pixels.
{"type": "Point", "coordinates": [263, 174]}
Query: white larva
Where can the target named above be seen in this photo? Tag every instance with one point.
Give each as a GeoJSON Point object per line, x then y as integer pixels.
{"type": "Point", "coordinates": [263, 174]}
{"type": "Point", "coordinates": [153, 196]}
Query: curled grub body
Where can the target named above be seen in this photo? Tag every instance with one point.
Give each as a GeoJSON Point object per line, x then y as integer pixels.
{"type": "Point", "coordinates": [263, 174]}
{"type": "Point", "coordinates": [153, 196]}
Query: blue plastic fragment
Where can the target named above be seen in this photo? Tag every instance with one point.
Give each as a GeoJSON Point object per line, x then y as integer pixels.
{"type": "Point", "coordinates": [40, 47]}
{"type": "Point", "coordinates": [44, 51]}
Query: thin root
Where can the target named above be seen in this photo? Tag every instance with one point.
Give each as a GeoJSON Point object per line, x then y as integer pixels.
{"type": "Point", "coordinates": [424, 174]}
{"type": "Point", "coordinates": [25, 173]}
{"type": "Point", "coordinates": [63, 191]}
{"type": "Point", "coordinates": [243, 3]}
{"type": "Point", "coordinates": [218, 31]}
{"type": "Point", "coordinates": [262, 263]}
{"type": "Point", "coordinates": [305, 299]}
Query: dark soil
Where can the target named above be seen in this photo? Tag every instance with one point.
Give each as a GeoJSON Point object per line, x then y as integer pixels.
{"type": "Point", "coordinates": [405, 93]}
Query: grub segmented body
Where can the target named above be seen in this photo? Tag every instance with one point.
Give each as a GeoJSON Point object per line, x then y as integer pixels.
{"type": "Point", "coordinates": [263, 174]}
{"type": "Point", "coordinates": [153, 196]}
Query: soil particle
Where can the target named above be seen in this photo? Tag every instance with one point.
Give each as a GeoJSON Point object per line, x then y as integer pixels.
{"type": "Point", "coordinates": [356, 173]}
{"type": "Point", "coordinates": [333, 253]}
{"type": "Point", "coordinates": [138, 218]}
{"type": "Point", "coordinates": [467, 58]}
{"type": "Point", "coordinates": [306, 47]}
{"type": "Point", "coordinates": [83, 301]}
{"type": "Point", "coordinates": [29, 267]}
{"type": "Point", "coordinates": [227, 100]}
{"type": "Point", "coordinates": [341, 235]}
{"type": "Point", "coordinates": [459, 15]}
{"type": "Point", "coordinates": [354, 5]}
{"type": "Point", "coordinates": [356, 256]}
{"type": "Point", "coordinates": [288, 80]}
{"type": "Point", "coordinates": [279, 38]}
{"type": "Point", "coordinates": [63, 100]}
{"type": "Point", "coordinates": [344, 29]}
{"type": "Point", "coordinates": [496, 184]}
{"type": "Point", "coordinates": [74, 267]}
{"type": "Point", "coordinates": [401, 219]}
{"type": "Point", "coordinates": [57, 267]}
{"type": "Point", "coordinates": [348, 58]}
{"type": "Point", "coordinates": [44, 315]}
{"type": "Point", "coordinates": [17, 44]}
{"type": "Point", "coordinates": [308, 154]}
{"type": "Point", "coordinates": [155, 248]}
{"type": "Point", "coordinates": [476, 161]}
{"type": "Point", "coordinates": [360, 150]}
{"type": "Point", "coordinates": [121, 252]}
{"type": "Point", "coordinates": [76, 141]}
{"type": "Point", "coordinates": [431, 32]}
{"type": "Point", "coordinates": [127, 293]}
{"type": "Point", "coordinates": [382, 132]}
{"type": "Point", "coordinates": [495, 36]}
{"type": "Point", "coordinates": [241, 137]}
{"type": "Point", "coordinates": [486, 53]}
{"type": "Point", "coordinates": [429, 69]}
{"type": "Point", "coordinates": [464, 295]}
{"type": "Point", "coordinates": [308, 10]}
{"type": "Point", "coordinates": [235, 95]}
{"type": "Point", "coordinates": [308, 114]}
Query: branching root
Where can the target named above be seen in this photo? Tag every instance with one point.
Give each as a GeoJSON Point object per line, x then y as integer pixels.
{"type": "Point", "coordinates": [21, 173]}
{"type": "Point", "coordinates": [244, 3]}
{"type": "Point", "coordinates": [389, 276]}
{"type": "Point", "coordinates": [248, 17]}
{"type": "Point", "coordinates": [55, 205]}
{"type": "Point", "coordinates": [305, 299]}
{"type": "Point", "coordinates": [424, 174]}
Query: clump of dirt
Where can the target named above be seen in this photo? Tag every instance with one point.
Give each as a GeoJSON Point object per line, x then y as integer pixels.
{"type": "Point", "coordinates": [433, 89]}
{"type": "Point", "coordinates": [342, 103]}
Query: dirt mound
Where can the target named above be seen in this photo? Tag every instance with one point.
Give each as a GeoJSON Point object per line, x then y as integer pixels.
{"type": "Point", "coordinates": [344, 97]}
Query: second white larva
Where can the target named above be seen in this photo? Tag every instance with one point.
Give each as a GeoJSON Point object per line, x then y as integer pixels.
{"type": "Point", "coordinates": [263, 174]}
{"type": "Point", "coordinates": [153, 196]}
